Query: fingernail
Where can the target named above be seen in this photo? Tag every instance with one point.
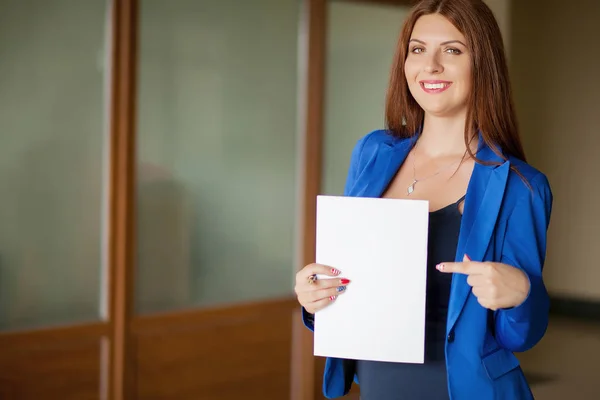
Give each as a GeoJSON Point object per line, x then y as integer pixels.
{"type": "Point", "coordinates": [332, 298]}
{"type": "Point", "coordinates": [344, 281]}
{"type": "Point", "coordinates": [335, 271]}
{"type": "Point", "coordinates": [440, 267]}
{"type": "Point", "coordinates": [341, 288]}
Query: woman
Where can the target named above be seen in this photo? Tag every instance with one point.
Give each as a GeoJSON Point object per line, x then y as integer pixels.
{"type": "Point", "coordinates": [452, 139]}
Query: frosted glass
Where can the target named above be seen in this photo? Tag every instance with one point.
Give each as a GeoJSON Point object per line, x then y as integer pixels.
{"type": "Point", "coordinates": [216, 152]}
{"type": "Point", "coordinates": [52, 121]}
{"type": "Point", "coordinates": [360, 46]}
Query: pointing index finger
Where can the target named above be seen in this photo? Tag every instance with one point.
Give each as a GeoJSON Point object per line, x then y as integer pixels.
{"type": "Point", "coordinates": [465, 267]}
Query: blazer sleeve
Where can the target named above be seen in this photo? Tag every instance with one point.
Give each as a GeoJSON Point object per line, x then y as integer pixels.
{"type": "Point", "coordinates": [308, 318]}
{"type": "Point", "coordinates": [522, 327]}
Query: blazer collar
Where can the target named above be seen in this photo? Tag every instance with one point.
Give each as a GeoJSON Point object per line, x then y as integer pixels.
{"type": "Point", "coordinates": [384, 163]}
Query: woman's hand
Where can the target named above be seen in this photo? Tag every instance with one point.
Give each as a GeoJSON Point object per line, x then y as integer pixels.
{"type": "Point", "coordinates": [495, 285]}
{"type": "Point", "coordinates": [315, 294]}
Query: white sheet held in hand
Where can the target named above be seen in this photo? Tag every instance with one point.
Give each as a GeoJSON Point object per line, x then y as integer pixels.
{"type": "Point", "coordinates": [381, 246]}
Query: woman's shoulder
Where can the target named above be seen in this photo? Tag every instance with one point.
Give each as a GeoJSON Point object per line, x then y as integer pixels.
{"type": "Point", "coordinates": [524, 176]}
{"type": "Point", "coordinates": [527, 186]}
{"type": "Point", "coordinates": [379, 136]}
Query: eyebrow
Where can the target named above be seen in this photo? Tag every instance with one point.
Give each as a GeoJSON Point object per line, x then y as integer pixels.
{"type": "Point", "coordinates": [441, 44]}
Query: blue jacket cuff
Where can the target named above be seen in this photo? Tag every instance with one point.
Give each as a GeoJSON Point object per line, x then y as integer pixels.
{"type": "Point", "coordinates": [308, 319]}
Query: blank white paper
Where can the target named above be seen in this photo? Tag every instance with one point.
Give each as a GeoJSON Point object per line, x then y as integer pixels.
{"type": "Point", "coordinates": [381, 246]}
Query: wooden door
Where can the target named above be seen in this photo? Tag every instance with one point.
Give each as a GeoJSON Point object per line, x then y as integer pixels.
{"type": "Point", "coordinates": [62, 245]}
{"type": "Point", "coordinates": [149, 213]}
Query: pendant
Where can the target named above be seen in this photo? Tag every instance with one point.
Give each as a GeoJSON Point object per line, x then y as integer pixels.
{"type": "Point", "coordinates": [411, 188]}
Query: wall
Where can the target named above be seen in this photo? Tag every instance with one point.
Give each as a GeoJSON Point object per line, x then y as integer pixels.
{"type": "Point", "coordinates": [501, 10]}
{"type": "Point", "coordinates": [555, 64]}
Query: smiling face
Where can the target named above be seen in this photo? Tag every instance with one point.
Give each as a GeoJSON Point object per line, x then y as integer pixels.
{"type": "Point", "coordinates": [438, 67]}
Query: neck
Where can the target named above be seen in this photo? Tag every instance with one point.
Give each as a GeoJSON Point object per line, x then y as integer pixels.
{"type": "Point", "coordinates": [444, 136]}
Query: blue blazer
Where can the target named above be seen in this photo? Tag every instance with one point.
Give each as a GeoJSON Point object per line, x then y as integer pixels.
{"type": "Point", "coordinates": [505, 221]}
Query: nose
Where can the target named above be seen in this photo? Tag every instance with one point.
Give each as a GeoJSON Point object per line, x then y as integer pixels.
{"type": "Point", "coordinates": [433, 65]}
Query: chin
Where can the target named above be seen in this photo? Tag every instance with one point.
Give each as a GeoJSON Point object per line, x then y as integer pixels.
{"type": "Point", "coordinates": [443, 110]}
{"type": "Point", "coordinates": [438, 111]}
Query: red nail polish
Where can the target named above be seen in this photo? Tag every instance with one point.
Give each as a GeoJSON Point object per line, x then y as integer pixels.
{"type": "Point", "coordinates": [344, 281]}
{"type": "Point", "coordinates": [332, 298]}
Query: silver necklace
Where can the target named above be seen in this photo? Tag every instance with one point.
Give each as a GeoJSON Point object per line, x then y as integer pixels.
{"type": "Point", "coordinates": [411, 187]}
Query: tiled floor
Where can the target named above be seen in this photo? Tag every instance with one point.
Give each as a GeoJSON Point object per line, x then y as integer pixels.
{"type": "Point", "coordinates": [565, 365]}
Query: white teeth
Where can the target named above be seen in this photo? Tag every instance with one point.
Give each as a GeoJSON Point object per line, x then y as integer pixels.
{"type": "Point", "coordinates": [435, 85]}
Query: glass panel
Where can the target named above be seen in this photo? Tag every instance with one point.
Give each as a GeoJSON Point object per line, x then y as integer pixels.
{"type": "Point", "coordinates": [360, 47]}
{"type": "Point", "coordinates": [216, 152]}
{"type": "Point", "coordinates": [52, 119]}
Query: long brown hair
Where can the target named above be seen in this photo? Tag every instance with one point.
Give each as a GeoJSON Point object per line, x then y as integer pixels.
{"type": "Point", "coordinates": [490, 105]}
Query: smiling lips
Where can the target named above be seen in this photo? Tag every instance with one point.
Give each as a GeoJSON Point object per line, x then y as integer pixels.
{"type": "Point", "coordinates": [434, 87]}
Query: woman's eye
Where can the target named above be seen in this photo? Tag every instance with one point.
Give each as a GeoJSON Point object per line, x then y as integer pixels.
{"type": "Point", "coordinates": [453, 51]}
{"type": "Point", "coordinates": [417, 50]}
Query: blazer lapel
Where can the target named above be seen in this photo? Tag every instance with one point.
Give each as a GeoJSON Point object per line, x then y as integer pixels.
{"type": "Point", "coordinates": [482, 205]}
{"type": "Point", "coordinates": [382, 166]}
